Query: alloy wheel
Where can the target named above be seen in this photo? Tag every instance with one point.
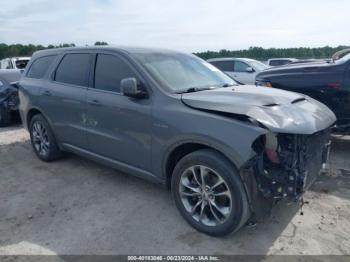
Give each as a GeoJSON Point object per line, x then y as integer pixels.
{"type": "Point", "coordinates": [40, 138]}
{"type": "Point", "coordinates": [205, 195]}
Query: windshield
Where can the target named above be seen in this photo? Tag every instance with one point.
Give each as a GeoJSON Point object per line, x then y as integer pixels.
{"type": "Point", "coordinates": [258, 65]}
{"type": "Point", "coordinates": [179, 72]}
{"type": "Point", "coordinates": [343, 59]}
{"type": "Point", "coordinates": [21, 64]}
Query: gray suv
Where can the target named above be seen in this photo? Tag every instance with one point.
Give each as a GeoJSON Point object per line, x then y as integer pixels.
{"type": "Point", "coordinates": [227, 152]}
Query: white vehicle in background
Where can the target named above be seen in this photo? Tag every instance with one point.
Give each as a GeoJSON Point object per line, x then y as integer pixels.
{"type": "Point", "coordinates": [242, 70]}
{"type": "Point", "coordinates": [14, 63]}
{"type": "Point", "coordinates": [280, 61]}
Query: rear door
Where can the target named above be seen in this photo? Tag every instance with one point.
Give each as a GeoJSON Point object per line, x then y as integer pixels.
{"type": "Point", "coordinates": [63, 98]}
{"type": "Point", "coordinates": [118, 127]}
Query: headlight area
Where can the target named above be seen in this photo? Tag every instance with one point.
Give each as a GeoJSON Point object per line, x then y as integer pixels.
{"type": "Point", "coordinates": [286, 164]}
{"type": "Point", "coordinates": [265, 83]}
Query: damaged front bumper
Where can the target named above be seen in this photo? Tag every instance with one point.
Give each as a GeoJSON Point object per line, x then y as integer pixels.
{"type": "Point", "coordinates": [285, 165]}
{"type": "Point", "coordinates": [9, 98]}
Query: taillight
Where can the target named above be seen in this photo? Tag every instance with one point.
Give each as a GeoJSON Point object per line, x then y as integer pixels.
{"type": "Point", "coordinates": [333, 85]}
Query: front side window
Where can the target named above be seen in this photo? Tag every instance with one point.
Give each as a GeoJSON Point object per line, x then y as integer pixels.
{"type": "Point", "coordinates": [109, 72]}
{"type": "Point", "coordinates": [39, 67]}
{"type": "Point", "coordinates": [240, 66]}
{"type": "Point", "coordinates": [178, 72]}
{"type": "Point", "coordinates": [74, 69]}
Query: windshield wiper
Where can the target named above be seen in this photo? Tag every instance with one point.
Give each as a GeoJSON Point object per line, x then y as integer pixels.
{"type": "Point", "coordinates": [229, 84]}
{"type": "Point", "coordinates": [196, 89]}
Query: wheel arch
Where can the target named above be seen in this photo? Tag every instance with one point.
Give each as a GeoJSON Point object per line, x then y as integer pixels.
{"type": "Point", "coordinates": [181, 149]}
{"type": "Point", "coordinates": [30, 114]}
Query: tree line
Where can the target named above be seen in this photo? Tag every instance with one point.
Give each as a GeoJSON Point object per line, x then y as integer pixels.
{"type": "Point", "coordinates": [258, 53]}
{"type": "Point", "coordinates": [27, 50]}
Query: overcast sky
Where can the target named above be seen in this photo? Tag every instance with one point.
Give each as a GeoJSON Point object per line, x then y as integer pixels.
{"type": "Point", "coordinates": [187, 25]}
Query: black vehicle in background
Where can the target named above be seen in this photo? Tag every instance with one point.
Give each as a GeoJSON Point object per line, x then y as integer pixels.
{"type": "Point", "coordinates": [8, 95]}
{"type": "Point", "coordinates": [327, 82]}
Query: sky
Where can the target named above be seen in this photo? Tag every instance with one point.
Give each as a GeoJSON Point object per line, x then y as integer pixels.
{"type": "Point", "coordinates": [185, 25]}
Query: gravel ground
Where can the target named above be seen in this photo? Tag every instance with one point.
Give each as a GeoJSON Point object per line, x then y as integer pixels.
{"type": "Point", "coordinates": [75, 206]}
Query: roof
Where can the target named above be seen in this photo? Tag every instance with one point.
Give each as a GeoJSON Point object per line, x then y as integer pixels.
{"type": "Point", "coordinates": [125, 49]}
{"type": "Point", "coordinates": [282, 58]}
{"type": "Point", "coordinates": [22, 58]}
{"type": "Point", "coordinates": [18, 58]}
{"type": "Point", "coordinates": [230, 59]}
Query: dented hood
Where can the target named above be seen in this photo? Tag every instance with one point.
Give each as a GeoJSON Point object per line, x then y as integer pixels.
{"type": "Point", "coordinates": [278, 110]}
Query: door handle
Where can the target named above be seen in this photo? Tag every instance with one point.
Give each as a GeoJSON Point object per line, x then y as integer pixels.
{"type": "Point", "coordinates": [46, 93]}
{"type": "Point", "coordinates": [94, 102]}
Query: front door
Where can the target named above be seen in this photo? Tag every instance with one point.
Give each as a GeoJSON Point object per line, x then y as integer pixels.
{"type": "Point", "coordinates": [118, 127]}
{"type": "Point", "coordinates": [241, 75]}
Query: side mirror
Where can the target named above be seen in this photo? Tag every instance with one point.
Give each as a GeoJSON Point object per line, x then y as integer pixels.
{"type": "Point", "coordinates": [249, 70]}
{"type": "Point", "coordinates": [130, 88]}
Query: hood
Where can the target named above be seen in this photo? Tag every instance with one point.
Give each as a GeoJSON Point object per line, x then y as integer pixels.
{"type": "Point", "coordinates": [321, 66]}
{"type": "Point", "coordinates": [278, 110]}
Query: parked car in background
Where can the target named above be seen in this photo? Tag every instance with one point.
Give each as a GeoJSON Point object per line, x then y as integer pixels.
{"type": "Point", "coordinates": [177, 120]}
{"type": "Point", "coordinates": [306, 61]}
{"type": "Point", "coordinates": [14, 63]}
{"type": "Point", "coordinates": [242, 70]}
{"type": "Point", "coordinates": [8, 95]}
{"type": "Point", "coordinates": [327, 82]}
{"type": "Point", "coordinates": [280, 61]}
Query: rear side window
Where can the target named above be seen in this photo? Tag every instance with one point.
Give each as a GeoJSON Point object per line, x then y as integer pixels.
{"type": "Point", "coordinates": [224, 65]}
{"type": "Point", "coordinates": [74, 69]}
{"type": "Point", "coordinates": [110, 70]}
{"type": "Point", "coordinates": [40, 66]}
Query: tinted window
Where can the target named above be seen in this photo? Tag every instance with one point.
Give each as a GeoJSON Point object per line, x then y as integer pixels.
{"type": "Point", "coordinates": [240, 66]}
{"type": "Point", "coordinates": [74, 69]}
{"type": "Point", "coordinates": [21, 64]}
{"type": "Point", "coordinates": [110, 70]}
{"type": "Point", "coordinates": [224, 65]}
{"type": "Point", "coordinates": [40, 66]}
{"type": "Point", "coordinates": [279, 62]}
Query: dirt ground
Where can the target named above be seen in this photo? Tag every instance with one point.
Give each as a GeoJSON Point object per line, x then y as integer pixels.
{"type": "Point", "coordinates": [75, 206]}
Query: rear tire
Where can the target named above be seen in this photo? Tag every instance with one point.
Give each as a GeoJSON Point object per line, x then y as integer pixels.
{"type": "Point", "coordinates": [43, 140]}
{"type": "Point", "coordinates": [216, 207]}
{"type": "Point", "coordinates": [5, 117]}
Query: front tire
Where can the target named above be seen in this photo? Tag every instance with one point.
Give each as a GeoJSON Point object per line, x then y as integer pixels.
{"type": "Point", "coordinates": [209, 193]}
{"type": "Point", "coordinates": [43, 140]}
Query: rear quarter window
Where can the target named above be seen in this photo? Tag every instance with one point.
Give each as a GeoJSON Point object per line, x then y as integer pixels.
{"type": "Point", "coordinates": [40, 66]}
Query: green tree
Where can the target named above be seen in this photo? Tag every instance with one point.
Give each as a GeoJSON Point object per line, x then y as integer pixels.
{"type": "Point", "coordinates": [101, 43]}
